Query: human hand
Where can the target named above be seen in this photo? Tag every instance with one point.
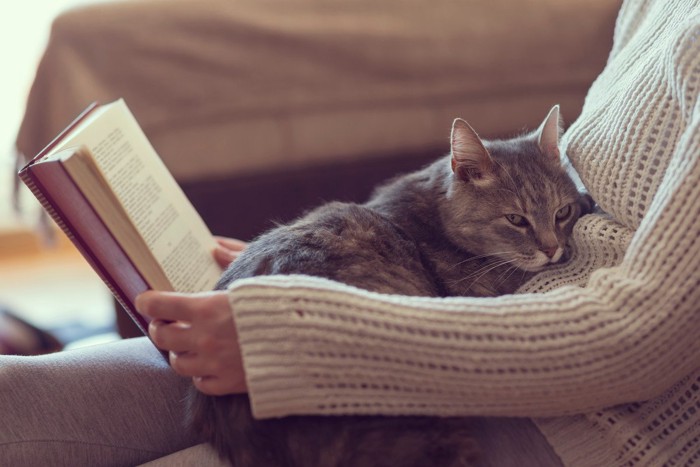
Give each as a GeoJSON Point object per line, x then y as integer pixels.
{"type": "Point", "coordinates": [227, 250]}
{"type": "Point", "coordinates": [199, 333]}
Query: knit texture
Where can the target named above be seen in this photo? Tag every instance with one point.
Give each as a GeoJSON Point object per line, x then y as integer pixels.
{"type": "Point", "coordinates": [604, 350]}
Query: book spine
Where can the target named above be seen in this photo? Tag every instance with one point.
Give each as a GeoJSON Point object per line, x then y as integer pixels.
{"type": "Point", "coordinates": [39, 195]}
{"type": "Point", "coordinates": [52, 209]}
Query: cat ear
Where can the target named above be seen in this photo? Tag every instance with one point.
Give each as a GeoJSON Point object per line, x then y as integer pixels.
{"type": "Point", "coordinates": [549, 132]}
{"type": "Point", "coordinates": [470, 159]}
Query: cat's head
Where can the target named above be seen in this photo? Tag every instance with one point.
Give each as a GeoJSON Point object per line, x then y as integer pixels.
{"type": "Point", "coordinates": [512, 199]}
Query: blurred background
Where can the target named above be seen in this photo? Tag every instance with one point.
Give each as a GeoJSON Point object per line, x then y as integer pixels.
{"type": "Point", "coordinates": [46, 283]}
{"type": "Point", "coordinates": [264, 109]}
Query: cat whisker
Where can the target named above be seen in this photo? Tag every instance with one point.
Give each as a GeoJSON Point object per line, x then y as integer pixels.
{"type": "Point", "coordinates": [483, 271]}
{"type": "Point", "coordinates": [503, 274]}
{"type": "Point", "coordinates": [515, 185]}
{"type": "Point", "coordinates": [503, 263]}
{"type": "Point", "coordinates": [508, 273]}
{"type": "Point", "coordinates": [488, 266]}
{"type": "Point", "coordinates": [508, 191]}
{"type": "Point", "coordinates": [489, 255]}
{"type": "Point", "coordinates": [522, 277]}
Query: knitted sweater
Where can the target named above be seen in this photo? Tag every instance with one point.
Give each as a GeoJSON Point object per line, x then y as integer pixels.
{"type": "Point", "coordinates": [603, 351]}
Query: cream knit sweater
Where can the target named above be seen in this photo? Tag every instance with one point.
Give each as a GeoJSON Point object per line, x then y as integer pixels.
{"type": "Point", "coordinates": [605, 351]}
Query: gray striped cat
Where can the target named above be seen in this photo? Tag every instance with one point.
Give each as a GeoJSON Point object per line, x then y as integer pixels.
{"type": "Point", "coordinates": [478, 222]}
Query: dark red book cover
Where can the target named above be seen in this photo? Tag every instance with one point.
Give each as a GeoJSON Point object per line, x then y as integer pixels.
{"type": "Point", "coordinates": [64, 201]}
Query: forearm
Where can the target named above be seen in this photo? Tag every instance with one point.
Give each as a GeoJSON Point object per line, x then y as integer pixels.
{"type": "Point", "coordinates": [310, 349]}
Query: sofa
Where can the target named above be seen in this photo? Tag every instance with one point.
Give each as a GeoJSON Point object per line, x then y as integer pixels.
{"type": "Point", "coordinates": [263, 109]}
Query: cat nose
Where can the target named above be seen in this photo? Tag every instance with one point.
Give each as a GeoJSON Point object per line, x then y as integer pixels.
{"type": "Point", "coordinates": [550, 251]}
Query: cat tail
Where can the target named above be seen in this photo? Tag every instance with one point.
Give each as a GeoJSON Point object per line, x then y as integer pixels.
{"type": "Point", "coordinates": [227, 423]}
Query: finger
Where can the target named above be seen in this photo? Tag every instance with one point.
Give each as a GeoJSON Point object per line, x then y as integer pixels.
{"type": "Point", "coordinates": [215, 386]}
{"type": "Point", "coordinates": [224, 256]}
{"type": "Point", "coordinates": [189, 364]}
{"type": "Point", "coordinates": [232, 244]}
{"type": "Point", "coordinates": [167, 306]}
{"type": "Point", "coordinates": [174, 336]}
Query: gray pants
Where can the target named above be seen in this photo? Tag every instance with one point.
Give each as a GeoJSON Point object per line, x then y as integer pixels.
{"type": "Point", "coordinates": [121, 404]}
{"type": "Point", "coordinates": [114, 404]}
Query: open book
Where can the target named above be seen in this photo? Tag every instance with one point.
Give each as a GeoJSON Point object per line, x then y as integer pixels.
{"type": "Point", "coordinates": [105, 186]}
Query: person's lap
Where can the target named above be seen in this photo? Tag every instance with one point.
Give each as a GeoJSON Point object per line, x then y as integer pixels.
{"type": "Point", "coordinates": [121, 404]}
{"type": "Point", "coordinates": [112, 404]}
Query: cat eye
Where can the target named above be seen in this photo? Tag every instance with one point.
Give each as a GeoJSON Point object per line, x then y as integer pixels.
{"type": "Point", "coordinates": [563, 213]}
{"type": "Point", "coordinates": [517, 220]}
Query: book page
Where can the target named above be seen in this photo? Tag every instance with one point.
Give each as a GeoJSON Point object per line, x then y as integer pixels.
{"type": "Point", "coordinates": [153, 200]}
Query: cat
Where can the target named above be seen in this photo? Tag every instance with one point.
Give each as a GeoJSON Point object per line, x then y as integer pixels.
{"type": "Point", "coordinates": [479, 222]}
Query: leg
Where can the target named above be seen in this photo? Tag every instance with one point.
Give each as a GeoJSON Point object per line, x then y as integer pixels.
{"type": "Point", "coordinates": [121, 404]}
{"type": "Point", "coordinates": [113, 404]}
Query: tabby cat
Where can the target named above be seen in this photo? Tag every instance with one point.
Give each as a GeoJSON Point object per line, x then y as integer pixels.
{"type": "Point", "coordinates": [478, 222]}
